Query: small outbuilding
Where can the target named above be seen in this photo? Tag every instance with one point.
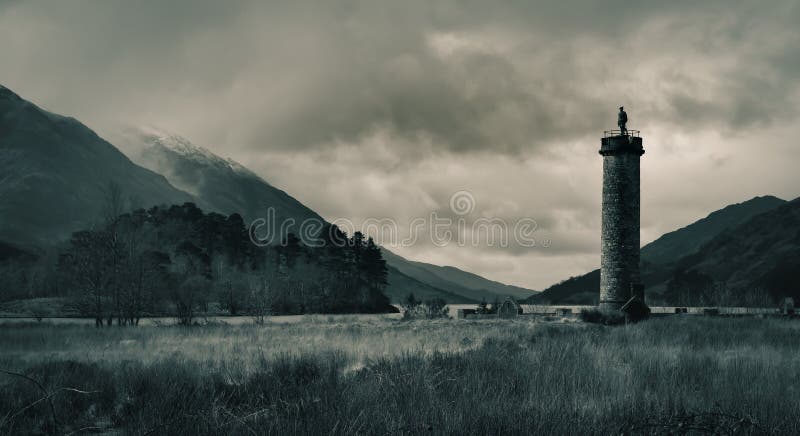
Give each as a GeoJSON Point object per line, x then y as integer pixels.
{"type": "Point", "coordinates": [635, 309]}
{"type": "Point", "coordinates": [464, 313]}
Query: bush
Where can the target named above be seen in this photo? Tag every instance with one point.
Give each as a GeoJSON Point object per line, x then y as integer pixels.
{"type": "Point", "coordinates": [597, 316]}
{"type": "Point", "coordinates": [430, 309]}
{"type": "Point", "coordinates": [188, 296]}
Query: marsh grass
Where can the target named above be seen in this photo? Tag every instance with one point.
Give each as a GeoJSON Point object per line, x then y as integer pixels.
{"type": "Point", "coordinates": [440, 377]}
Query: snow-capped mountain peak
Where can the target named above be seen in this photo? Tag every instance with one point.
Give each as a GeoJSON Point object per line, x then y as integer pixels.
{"type": "Point", "coordinates": [147, 137]}
{"type": "Point", "coordinates": [178, 144]}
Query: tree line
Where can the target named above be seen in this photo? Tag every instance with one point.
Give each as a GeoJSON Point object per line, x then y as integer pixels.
{"type": "Point", "coordinates": [180, 260]}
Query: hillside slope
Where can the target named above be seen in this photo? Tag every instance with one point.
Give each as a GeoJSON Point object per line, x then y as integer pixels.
{"type": "Point", "coordinates": [466, 284]}
{"type": "Point", "coordinates": [402, 285]}
{"type": "Point", "coordinates": [224, 185]}
{"type": "Point", "coordinates": [55, 175]}
{"type": "Point", "coordinates": [689, 239]}
{"type": "Point", "coordinates": [658, 257]}
{"type": "Point", "coordinates": [763, 254]}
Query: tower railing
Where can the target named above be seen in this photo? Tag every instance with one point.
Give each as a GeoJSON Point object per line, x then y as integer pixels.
{"type": "Point", "coordinates": [612, 133]}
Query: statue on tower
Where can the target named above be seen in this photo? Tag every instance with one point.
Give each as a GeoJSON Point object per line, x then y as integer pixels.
{"type": "Point", "coordinates": [622, 120]}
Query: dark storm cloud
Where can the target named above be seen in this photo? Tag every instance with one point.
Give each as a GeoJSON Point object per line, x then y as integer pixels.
{"type": "Point", "coordinates": [463, 75]}
{"type": "Point", "coordinates": [505, 78]}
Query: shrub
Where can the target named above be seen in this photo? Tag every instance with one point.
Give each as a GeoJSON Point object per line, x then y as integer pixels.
{"type": "Point", "coordinates": [597, 316]}
{"type": "Point", "coordinates": [430, 309]}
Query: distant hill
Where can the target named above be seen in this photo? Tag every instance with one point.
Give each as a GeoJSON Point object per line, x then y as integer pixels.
{"type": "Point", "coordinates": [689, 239]}
{"type": "Point", "coordinates": [401, 285]}
{"type": "Point", "coordinates": [55, 174]}
{"type": "Point", "coordinates": [582, 289]}
{"type": "Point", "coordinates": [454, 280]}
{"type": "Point", "coordinates": [760, 254]}
{"type": "Point", "coordinates": [659, 257]}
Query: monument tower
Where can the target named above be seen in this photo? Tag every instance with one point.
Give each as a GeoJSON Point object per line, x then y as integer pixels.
{"type": "Point", "coordinates": [619, 261]}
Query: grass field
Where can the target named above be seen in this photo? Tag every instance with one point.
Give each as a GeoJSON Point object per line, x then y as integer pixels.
{"type": "Point", "coordinates": [680, 374]}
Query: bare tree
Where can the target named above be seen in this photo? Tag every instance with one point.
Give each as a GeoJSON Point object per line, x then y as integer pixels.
{"type": "Point", "coordinates": [87, 264]}
{"type": "Point", "coordinates": [114, 204]}
{"type": "Point", "coordinates": [231, 285]}
{"type": "Point", "coordinates": [113, 209]}
{"type": "Point", "coordinates": [259, 297]}
{"type": "Point", "coordinates": [187, 295]}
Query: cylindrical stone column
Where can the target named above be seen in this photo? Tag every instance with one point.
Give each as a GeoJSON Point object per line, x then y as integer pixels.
{"type": "Point", "coordinates": [619, 261]}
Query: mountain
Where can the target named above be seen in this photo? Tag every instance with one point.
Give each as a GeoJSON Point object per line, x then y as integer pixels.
{"type": "Point", "coordinates": [454, 280]}
{"type": "Point", "coordinates": [659, 257]}
{"type": "Point", "coordinates": [401, 285]}
{"type": "Point", "coordinates": [55, 175]}
{"type": "Point", "coordinates": [227, 187]}
{"type": "Point", "coordinates": [223, 184]}
{"type": "Point", "coordinates": [476, 282]}
{"type": "Point", "coordinates": [582, 289]}
{"type": "Point", "coordinates": [762, 254]}
{"type": "Point", "coordinates": [689, 239]}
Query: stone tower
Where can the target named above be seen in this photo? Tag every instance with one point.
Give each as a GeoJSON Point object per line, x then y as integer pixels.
{"type": "Point", "coordinates": [619, 261]}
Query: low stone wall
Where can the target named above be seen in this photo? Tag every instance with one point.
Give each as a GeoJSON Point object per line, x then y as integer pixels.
{"type": "Point", "coordinates": [463, 312]}
{"type": "Point", "coordinates": [719, 310]}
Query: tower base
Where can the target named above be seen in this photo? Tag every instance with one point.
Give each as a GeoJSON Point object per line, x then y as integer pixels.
{"type": "Point", "coordinates": [635, 309]}
{"type": "Point", "coordinates": [607, 306]}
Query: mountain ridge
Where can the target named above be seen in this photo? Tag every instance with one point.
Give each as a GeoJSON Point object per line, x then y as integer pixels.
{"type": "Point", "coordinates": [224, 184]}
{"type": "Point", "coordinates": [691, 237]}
{"type": "Point", "coordinates": [56, 173]}
{"type": "Point", "coordinates": [472, 285]}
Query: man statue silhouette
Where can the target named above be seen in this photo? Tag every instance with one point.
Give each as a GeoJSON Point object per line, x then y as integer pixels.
{"type": "Point", "coordinates": [622, 120]}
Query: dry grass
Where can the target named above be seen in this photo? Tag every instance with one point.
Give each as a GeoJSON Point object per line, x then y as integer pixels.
{"type": "Point", "coordinates": [378, 377]}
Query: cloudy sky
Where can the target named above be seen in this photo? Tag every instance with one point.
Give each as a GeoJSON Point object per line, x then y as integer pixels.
{"type": "Point", "coordinates": [385, 109]}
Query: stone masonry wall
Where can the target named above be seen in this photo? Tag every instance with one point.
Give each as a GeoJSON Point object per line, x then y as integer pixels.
{"type": "Point", "coordinates": [619, 262]}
